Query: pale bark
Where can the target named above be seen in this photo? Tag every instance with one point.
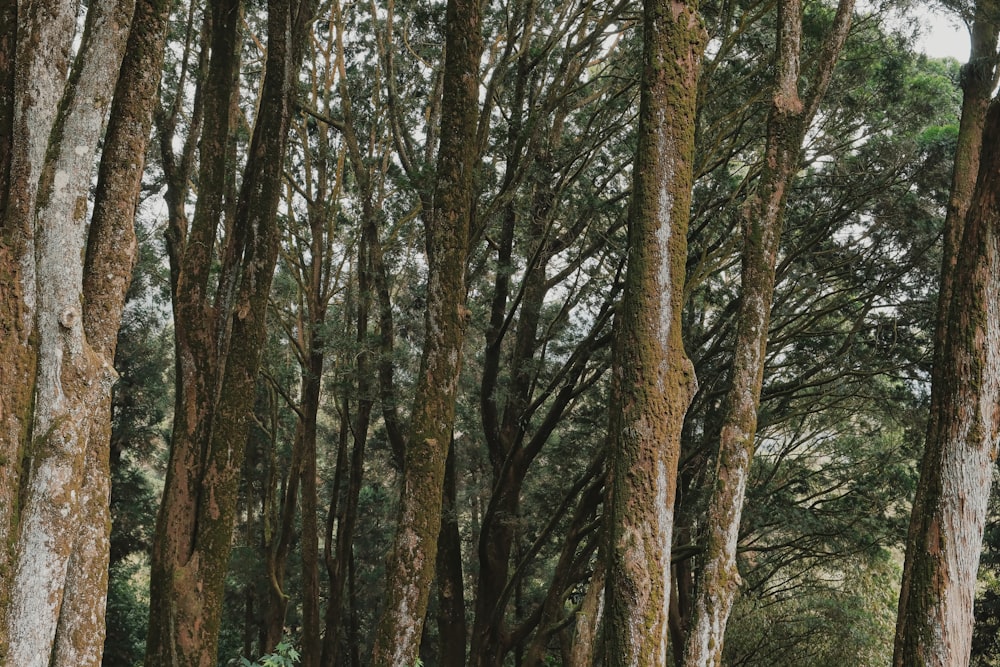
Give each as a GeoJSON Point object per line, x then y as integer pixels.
{"type": "Point", "coordinates": [652, 378]}
{"type": "Point", "coordinates": [40, 61]}
{"type": "Point", "coordinates": [55, 613]}
{"type": "Point", "coordinates": [71, 376]}
{"type": "Point", "coordinates": [788, 121]}
{"type": "Point", "coordinates": [934, 623]}
{"type": "Point", "coordinates": [586, 648]}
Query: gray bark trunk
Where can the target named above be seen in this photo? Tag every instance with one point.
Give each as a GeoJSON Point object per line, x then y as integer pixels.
{"type": "Point", "coordinates": [52, 610]}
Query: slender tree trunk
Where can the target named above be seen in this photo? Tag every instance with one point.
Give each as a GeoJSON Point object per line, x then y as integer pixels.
{"type": "Point", "coordinates": [278, 544]}
{"type": "Point", "coordinates": [587, 650]}
{"type": "Point", "coordinates": [65, 311]}
{"type": "Point", "coordinates": [216, 381]}
{"type": "Point", "coordinates": [652, 378]}
{"type": "Point", "coordinates": [410, 570]}
{"type": "Point", "coordinates": [505, 432]}
{"type": "Point", "coordinates": [934, 623]}
{"type": "Point", "coordinates": [311, 640]}
{"type": "Point", "coordinates": [788, 122]}
{"type": "Point", "coordinates": [451, 590]}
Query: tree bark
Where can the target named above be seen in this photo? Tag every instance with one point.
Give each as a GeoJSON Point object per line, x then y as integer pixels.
{"type": "Point", "coordinates": [410, 569]}
{"type": "Point", "coordinates": [452, 632]}
{"type": "Point", "coordinates": [942, 557]}
{"type": "Point", "coordinates": [652, 378]}
{"type": "Point", "coordinates": [216, 380]}
{"type": "Point", "coordinates": [788, 122]}
{"type": "Point", "coordinates": [934, 622]}
{"type": "Point", "coordinates": [68, 289]}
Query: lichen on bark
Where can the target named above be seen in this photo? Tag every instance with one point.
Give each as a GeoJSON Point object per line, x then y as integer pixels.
{"type": "Point", "coordinates": [652, 379]}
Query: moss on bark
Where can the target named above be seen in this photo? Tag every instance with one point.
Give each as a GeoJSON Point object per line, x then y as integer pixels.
{"type": "Point", "coordinates": [653, 381]}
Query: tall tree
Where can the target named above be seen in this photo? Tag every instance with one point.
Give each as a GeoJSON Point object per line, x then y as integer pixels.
{"type": "Point", "coordinates": [652, 378]}
{"type": "Point", "coordinates": [63, 300]}
{"type": "Point", "coordinates": [934, 625]}
{"type": "Point", "coordinates": [788, 121]}
{"type": "Point", "coordinates": [549, 149]}
{"type": "Point", "coordinates": [220, 333]}
{"type": "Point", "coordinates": [411, 566]}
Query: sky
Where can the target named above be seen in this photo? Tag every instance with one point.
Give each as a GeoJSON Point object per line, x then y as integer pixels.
{"type": "Point", "coordinates": [943, 36]}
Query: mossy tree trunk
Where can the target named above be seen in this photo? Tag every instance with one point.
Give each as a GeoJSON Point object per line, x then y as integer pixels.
{"type": "Point", "coordinates": [788, 121]}
{"type": "Point", "coordinates": [63, 293]}
{"type": "Point", "coordinates": [411, 564]}
{"type": "Point", "coordinates": [652, 378]}
{"type": "Point", "coordinates": [934, 622]}
{"type": "Point", "coordinates": [218, 337]}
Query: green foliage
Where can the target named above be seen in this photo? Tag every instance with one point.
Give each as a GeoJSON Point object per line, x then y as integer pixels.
{"type": "Point", "coordinates": [127, 611]}
{"type": "Point", "coordinates": [834, 618]}
{"type": "Point", "coordinates": [284, 655]}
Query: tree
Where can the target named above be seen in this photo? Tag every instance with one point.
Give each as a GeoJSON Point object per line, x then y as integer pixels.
{"type": "Point", "coordinates": [934, 625]}
{"type": "Point", "coordinates": [788, 121]}
{"type": "Point", "coordinates": [653, 380]}
{"type": "Point", "coordinates": [220, 333]}
{"type": "Point", "coordinates": [447, 221]}
{"type": "Point", "coordinates": [63, 300]}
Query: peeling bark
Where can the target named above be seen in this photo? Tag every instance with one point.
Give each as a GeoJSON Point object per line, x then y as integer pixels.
{"type": "Point", "coordinates": [652, 378]}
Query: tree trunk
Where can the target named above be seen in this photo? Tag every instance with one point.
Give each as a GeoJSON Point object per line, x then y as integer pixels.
{"type": "Point", "coordinates": [934, 624]}
{"type": "Point", "coordinates": [652, 378]}
{"type": "Point", "coordinates": [215, 380]}
{"type": "Point", "coordinates": [451, 590]}
{"type": "Point", "coordinates": [586, 650]}
{"type": "Point", "coordinates": [788, 121]}
{"type": "Point", "coordinates": [410, 570]}
{"type": "Point", "coordinates": [312, 383]}
{"type": "Point", "coordinates": [65, 307]}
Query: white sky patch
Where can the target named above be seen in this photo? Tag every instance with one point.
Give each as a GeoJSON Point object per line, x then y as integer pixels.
{"type": "Point", "coordinates": [943, 35]}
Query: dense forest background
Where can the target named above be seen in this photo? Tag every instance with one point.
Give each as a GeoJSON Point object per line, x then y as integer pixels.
{"type": "Point", "coordinates": [358, 208]}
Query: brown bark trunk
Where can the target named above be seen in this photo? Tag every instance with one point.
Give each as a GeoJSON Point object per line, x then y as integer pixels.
{"type": "Point", "coordinates": [587, 650]}
{"type": "Point", "coordinates": [216, 381]}
{"type": "Point", "coordinates": [506, 432]}
{"type": "Point", "coordinates": [934, 622]}
{"type": "Point", "coordinates": [550, 616]}
{"type": "Point", "coordinates": [410, 570]}
{"type": "Point", "coordinates": [278, 540]}
{"type": "Point", "coordinates": [942, 557]}
{"type": "Point", "coordinates": [652, 378]}
{"type": "Point", "coordinates": [788, 121]}
{"type": "Point", "coordinates": [311, 640]}
{"type": "Point", "coordinates": [177, 616]}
